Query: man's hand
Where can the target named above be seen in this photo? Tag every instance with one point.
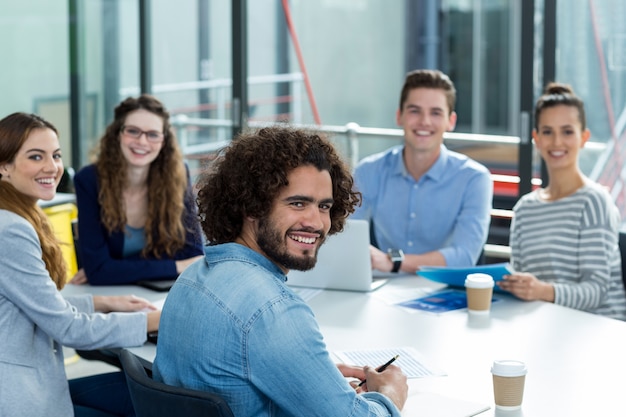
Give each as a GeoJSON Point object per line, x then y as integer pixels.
{"type": "Point", "coordinates": [391, 382]}
{"type": "Point", "coordinates": [380, 260]}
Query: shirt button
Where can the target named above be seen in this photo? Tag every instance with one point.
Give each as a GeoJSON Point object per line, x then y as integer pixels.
{"type": "Point", "coordinates": [413, 215]}
{"type": "Point", "coordinates": [410, 243]}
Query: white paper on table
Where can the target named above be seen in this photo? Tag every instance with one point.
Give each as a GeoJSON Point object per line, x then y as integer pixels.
{"type": "Point", "coordinates": [412, 363]}
{"type": "Point", "coordinates": [436, 405]}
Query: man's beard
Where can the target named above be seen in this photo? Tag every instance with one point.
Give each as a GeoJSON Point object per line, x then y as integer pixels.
{"type": "Point", "coordinates": [271, 242]}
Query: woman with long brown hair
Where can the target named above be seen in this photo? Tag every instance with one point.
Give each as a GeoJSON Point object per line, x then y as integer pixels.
{"type": "Point", "coordinates": [564, 236]}
{"type": "Point", "coordinates": [136, 212]}
{"type": "Point", "coordinates": [36, 321]}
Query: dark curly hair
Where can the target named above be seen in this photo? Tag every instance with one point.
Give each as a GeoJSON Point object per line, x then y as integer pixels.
{"type": "Point", "coordinates": [246, 178]}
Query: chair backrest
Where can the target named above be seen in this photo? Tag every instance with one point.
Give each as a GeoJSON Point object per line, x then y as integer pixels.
{"type": "Point", "coordinates": [622, 250]}
{"type": "Point", "coordinates": [155, 399]}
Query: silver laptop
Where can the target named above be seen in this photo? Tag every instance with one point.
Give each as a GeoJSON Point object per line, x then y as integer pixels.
{"type": "Point", "coordinates": [343, 262]}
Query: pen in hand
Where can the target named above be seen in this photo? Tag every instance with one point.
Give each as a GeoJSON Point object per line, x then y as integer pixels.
{"type": "Point", "coordinates": [380, 369]}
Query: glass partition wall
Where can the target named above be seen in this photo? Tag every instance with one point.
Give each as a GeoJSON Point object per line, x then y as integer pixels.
{"type": "Point", "coordinates": [335, 63]}
{"type": "Point", "coordinates": [332, 62]}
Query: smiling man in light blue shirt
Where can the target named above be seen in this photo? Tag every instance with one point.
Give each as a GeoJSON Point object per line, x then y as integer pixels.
{"type": "Point", "coordinates": [429, 205]}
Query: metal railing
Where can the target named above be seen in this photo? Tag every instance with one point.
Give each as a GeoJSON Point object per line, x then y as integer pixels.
{"type": "Point", "coordinates": [352, 131]}
{"type": "Point", "coordinates": [222, 99]}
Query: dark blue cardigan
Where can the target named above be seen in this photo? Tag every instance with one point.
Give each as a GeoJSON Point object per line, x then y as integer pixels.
{"type": "Point", "coordinates": [101, 251]}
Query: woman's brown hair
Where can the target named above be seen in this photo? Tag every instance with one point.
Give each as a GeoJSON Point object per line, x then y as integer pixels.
{"type": "Point", "coordinates": [14, 130]}
{"type": "Point", "coordinates": [167, 181]}
{"type": "Point", "coordinates": [557, 94]}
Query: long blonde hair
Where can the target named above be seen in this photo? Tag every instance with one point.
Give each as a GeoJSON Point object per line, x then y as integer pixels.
{"type": "Point", "coordinates": [14, 130]}
{"type": "Point", "coordinates": [167, 182]}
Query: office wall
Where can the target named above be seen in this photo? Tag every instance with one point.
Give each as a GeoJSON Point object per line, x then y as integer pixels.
{"type": "Point", "coordinates": [354, 51]}
{"type": "Point", "coordinates": [34, 68]}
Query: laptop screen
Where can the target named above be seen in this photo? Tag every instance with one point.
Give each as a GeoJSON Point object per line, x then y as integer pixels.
{"type": "Point", "coordinates": [343, 262]}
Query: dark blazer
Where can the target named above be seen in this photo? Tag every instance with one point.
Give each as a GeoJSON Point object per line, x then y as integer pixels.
{"type": "Point", "coordinates": [101, 251]}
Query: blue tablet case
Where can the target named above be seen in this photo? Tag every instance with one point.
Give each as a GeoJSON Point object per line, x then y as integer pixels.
{"type": "Point", "coordinates": [455, 277]}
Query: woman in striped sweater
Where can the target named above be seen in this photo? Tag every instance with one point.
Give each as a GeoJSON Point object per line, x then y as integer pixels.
{"type": "Point", "coordinates": [564, 237]}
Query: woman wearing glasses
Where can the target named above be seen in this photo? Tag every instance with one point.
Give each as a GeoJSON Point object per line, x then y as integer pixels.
{"type": "Point", "coordinates": [136, 211]}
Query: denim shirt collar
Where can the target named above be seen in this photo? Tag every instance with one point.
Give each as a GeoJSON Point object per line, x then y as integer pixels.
{"type": "Point", "coordinates": [435, 172]}
{"type": "Point", "coordinates": [236, 251]}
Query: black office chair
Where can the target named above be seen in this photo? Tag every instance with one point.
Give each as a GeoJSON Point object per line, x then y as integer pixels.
{"type": "Point", "coordinates": [622, 250]}
{"type": "Point", "coordinates": [66, 184]}
{"type": "Point", "coordinates": [155, 399]}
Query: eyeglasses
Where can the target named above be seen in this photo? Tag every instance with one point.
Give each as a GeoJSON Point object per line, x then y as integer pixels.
{"type": "Point", "coordinates": [135, 133]}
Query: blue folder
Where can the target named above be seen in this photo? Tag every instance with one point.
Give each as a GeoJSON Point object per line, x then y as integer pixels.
{"type": "Point", "coordinates": [456, 276]}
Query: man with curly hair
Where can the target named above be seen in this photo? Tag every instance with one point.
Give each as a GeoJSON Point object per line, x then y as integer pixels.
{"type": "Point", "coordinates": [230, 324]}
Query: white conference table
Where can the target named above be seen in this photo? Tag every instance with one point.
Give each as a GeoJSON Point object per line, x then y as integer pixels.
{"type": "Point", "coordinates": [576, 361]}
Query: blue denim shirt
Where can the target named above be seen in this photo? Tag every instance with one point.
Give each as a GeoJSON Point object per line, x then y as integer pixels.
{"type": "Point", "coordinates": [448, 209]}
{"type": "Point", "coordinates": [231, 326]}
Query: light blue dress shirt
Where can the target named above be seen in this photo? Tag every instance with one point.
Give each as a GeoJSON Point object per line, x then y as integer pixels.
{"type": "Point", "coordinates": [231, 326]}
{"type": "Point", "coordinates": [448, 209]}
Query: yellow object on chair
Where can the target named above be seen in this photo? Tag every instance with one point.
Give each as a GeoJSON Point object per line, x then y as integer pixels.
{"type": "Point", "coordinates": [61, 217]}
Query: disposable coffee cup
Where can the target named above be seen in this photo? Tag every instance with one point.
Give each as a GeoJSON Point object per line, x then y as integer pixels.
{"type": "Point", "coordinates": [508, 383]}
{"type": "Point", "coordinates": [479, 290]}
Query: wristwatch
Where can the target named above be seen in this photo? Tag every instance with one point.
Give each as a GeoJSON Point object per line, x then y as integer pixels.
{"type": "Point", "coordinates": [396, 256]}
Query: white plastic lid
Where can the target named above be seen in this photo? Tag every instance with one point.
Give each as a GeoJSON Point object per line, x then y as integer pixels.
{"type": "Point", "coordinates": [479, 280]}
{"type": "Point", "coordinates": [508, 367]}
